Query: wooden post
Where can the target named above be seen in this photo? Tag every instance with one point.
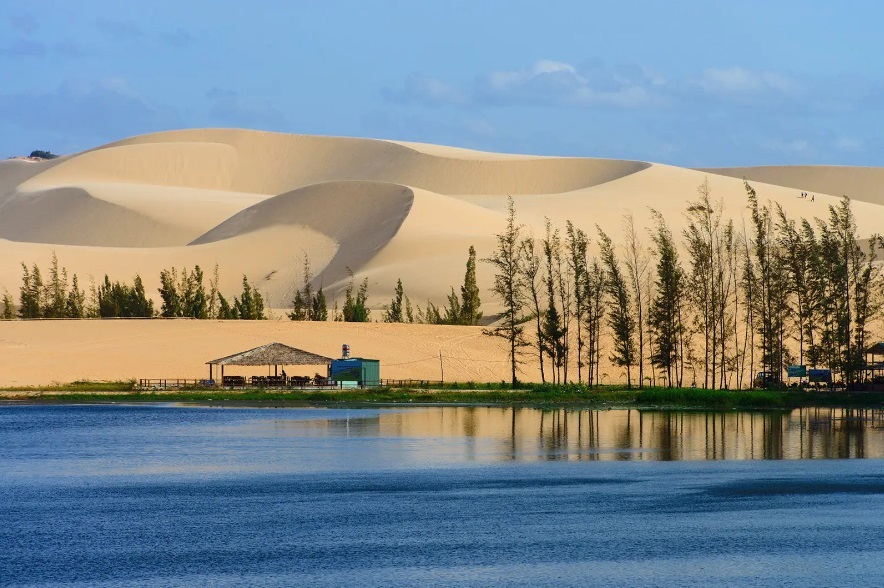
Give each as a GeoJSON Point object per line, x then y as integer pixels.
{"type": "Point", "coordinates": [210, 372]}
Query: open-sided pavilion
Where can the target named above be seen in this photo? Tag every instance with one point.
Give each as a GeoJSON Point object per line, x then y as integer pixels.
{"type": "Point", "coordinates": [273, 355]}
{"type": "Point", "coordinates": [873, 372]}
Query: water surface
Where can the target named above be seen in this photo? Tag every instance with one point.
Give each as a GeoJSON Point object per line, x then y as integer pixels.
{"type": "Point", "coordinates": [442, 496]}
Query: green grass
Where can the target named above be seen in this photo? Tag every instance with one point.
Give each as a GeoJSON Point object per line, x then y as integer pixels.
{"type": "Point", "coordinates": [79, 386]}
{"type": "Point", "coordinates": [461, 393]}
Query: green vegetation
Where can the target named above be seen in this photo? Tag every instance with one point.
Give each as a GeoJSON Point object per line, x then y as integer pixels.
{"type": "Point", "coordinates": [399, 310]}
{"type": "Point", "coordinates": [510, 288]}
{"type": "Point", "coordinates": [459, 310]}
{"type": "Point", "coordinates": [43, 154]}
{"type": "Point", "coordinates": [182, 297]}
{"type": "Point", "coordinates": [307, 305]}
{"type": "Point", "coordinates": [743, 302]}
{"type": "Point", "coordinates": [467, 393]}
{"type": "Point", "coordinates": [355, 309]}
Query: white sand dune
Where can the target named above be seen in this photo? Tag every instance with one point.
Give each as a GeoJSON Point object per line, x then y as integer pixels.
{"type": "Point", "coordinates": [72, 216]}
{"type": "Point", "coordinates": [255, 203]}
{"type": "Point", "coordinates": [859, 183]}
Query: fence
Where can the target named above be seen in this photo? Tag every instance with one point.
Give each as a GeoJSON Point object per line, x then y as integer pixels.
{"type": "Point", "coordinates": [265, 383]}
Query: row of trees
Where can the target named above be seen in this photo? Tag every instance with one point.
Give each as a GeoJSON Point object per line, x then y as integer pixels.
{"type": "Point", "coordinates": [745, 298]}
{"type": "Point", "coordinates": [463, 309]}
{"type": "Point", "coordinates": [182, 295]}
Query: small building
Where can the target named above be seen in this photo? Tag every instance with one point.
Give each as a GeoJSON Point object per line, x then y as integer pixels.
{"type": "Point", "coordinates": [272, 355]}
{"type": "Point", "coordinates": [356, 371]}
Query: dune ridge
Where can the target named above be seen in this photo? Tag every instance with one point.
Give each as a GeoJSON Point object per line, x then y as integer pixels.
{"type": "Point", "coordinates": [374, 213]}
{"type": "Point", "coordinates": [272, 163]}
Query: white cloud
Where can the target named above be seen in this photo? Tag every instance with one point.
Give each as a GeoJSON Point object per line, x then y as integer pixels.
{"type": "Point", "coordinates": [738, 81]}
{"type": "Point", "coordinates": [789, 147]}
{"type": "Point", "coordinates": [102, 109]}
{"type": "Point", "coordinates": [229, 108]}
{"type": "Point", "coordinates": [555, 83]}
{"type": "Point", "coordinates": [421, 89]}
{"type": "Point", "coordinates": [25, 48]}
{"type": "Point", "coordinates": [849, 143]}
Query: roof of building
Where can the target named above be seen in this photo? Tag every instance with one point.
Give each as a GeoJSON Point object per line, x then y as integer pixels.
{"type": "Point", "coordinates": [877, 348]}
{"type": "Point", "coordinates": [272, 354]}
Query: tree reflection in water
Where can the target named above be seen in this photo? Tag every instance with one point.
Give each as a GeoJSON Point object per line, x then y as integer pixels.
{"type": "Point", "coordinates": [581, 434]}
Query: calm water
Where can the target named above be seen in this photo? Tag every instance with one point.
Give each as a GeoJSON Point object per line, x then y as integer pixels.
{"type": "Point", "coordinates": [184, 496]}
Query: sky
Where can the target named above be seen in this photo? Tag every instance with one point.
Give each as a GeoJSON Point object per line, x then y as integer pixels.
{"type": "Point", "coordinates": [684, 82]}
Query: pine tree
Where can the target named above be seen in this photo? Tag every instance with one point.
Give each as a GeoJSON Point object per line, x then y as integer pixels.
{"type": "Point", "coordinates": [470, 302]}
{"type": "Point", "coordinates": [138, 303]}
{"type": "Point", "coordinates": [307, 305]}
{"type": "Point", "coordinates": [637, 266]}
{"type": "Point", "coordinates": [354, 309]}
{"type": "Point", "coordinates": [37, 292]}
{"type": "Point", "coordinates": [76, 301]}
{"type": "Point", "coordinates": [93, 309]}
{"type": "Point", "coordinates": [453, 311]}
{"type": "Point", "coordinates": [577, 262]}
{"type": "Point", "coordinates": [771, 289]}
{"type": "Point", "coordinates": [250, 304]}
{"type": "Point", "coordinates": [171, 306]}
{"type": "Point", "coordinates": [320, 306]}
{"type": "Point", "coordinates": [595, 316]}
{"type": "Point", "coordinates": [308, 290]}
{"type": "Point", "coordinates": [665, 313]}
{"type": "Point", "coordinates": [29, 296]}
{"type": "Point", "coordinates": [554, 333]}
{"type": "Point", "coordinates": [212, 311]}
{"type": "Point", "coordinates": [620, 318]}
{"type": "Point", "coordinates": [393, 312]}
{"type": "Point", "coordinates": [409, 312]}
{"type": "Point", "coordinates": [55, 294]}
{"type": "Point", "coordinates": [509, 287]}
{"type": "Point", "coordinates": [108, 303]}
{"type": "Point", "coordinates": [431, 316]}
{"type": "Point", "coordinates": [225, 310]}
{"type": "Point", "coordinates": [707, 241]}
{"type": "Point", "coordinates": [299, 307]}
{"type": "Point", "coordinates": [530, 268]}
{"type": "Point", "coordinates": [8, 308]}
{"type": "Point", "coordinates": [198, 304]}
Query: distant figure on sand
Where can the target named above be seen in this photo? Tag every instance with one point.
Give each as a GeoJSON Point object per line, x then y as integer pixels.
{"type": "Point", "coordinates": [812, 197]}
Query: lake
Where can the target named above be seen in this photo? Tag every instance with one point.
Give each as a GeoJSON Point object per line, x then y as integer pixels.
{"type": "Point", "coordinates": [164, 495]}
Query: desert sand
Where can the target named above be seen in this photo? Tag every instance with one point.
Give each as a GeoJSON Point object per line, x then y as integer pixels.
{"type": "Point", "coordinates": [255, 203]}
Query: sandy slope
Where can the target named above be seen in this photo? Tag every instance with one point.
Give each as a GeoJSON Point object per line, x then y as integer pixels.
{"type": "Point", "coordinates": [859, 183]}
{"type": "Point", "coordinates": [40, 352]}
{"type": "Point", "coordinates": [255, 203]}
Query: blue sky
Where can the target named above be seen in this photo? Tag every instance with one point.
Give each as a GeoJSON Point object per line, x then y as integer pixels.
{"type": "Point", "coordinates": [695, 83]}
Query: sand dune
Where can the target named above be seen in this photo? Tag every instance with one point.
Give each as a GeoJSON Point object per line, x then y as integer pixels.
{"type": "Point", "coordinates": [272, 163]}
{"type": "Point", "coordinates": [72, 216]}
{"type": "Point", "coordinates": [859, 183]}
{"type": "Point", "coordinates": [374, 211]}
{"type": "Point", "coordinates": [255, 203]}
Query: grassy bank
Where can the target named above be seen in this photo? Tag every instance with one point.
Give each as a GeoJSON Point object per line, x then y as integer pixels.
{"type": "Point", "coordinates": [482, 394]}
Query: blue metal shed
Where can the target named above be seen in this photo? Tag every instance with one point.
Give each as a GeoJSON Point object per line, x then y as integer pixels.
{"type": "Point", "coordinates": [356, 371]}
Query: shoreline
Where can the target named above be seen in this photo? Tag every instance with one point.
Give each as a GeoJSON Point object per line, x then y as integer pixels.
{"type": "Point", "coordinates": [564, 397]}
